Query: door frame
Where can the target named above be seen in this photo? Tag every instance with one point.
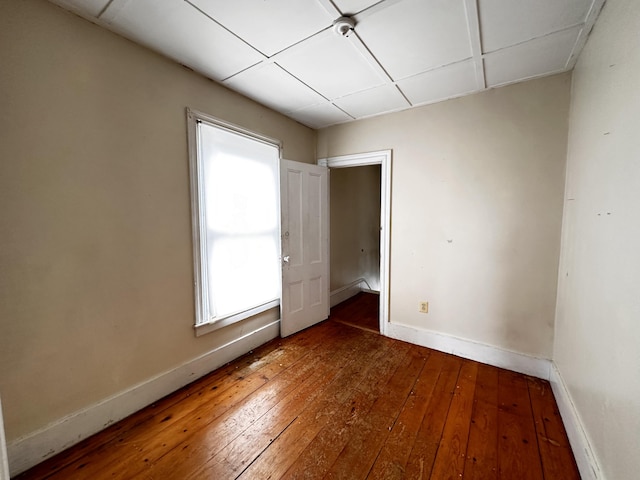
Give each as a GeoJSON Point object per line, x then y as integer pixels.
{"type": "Point", "coordinates": [382, 158]}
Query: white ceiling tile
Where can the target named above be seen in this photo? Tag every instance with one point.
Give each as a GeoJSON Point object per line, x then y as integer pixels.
{"type": "Point", "coordinates": [374, 101]}
{"type": "Point", "coordinates": [331, 65]}
{"type": "Point", "coordinates": [351, 7]}
{"type": "Point", "coordinates": [91, 8]}
{"type": "Point", "coordinates": [423, 45]}
{"type": "Point", "coordinates": [413, 36]}
{"type": "Point", "coordinates": [273, 87]}
{"type": "Point", "coordinates": [507, 22]}
{"type": "Point", "coordinates": [319, 116]}
{"type": "Point", "coordinates": [441, 83]}
{"type": "Point", "coordinates": [537, 57]}
{"type": "Point", "coordinates": [179, 31]}
{"type": "Point", "coordinates": [270, 26]}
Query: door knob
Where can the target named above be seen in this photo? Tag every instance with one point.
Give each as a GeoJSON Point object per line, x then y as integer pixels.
{"type": "Point", "coordinates": [285, 259]}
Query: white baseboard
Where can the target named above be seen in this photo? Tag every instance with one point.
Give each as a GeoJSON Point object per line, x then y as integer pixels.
{"type": "Point", "coordinates": [582, 451]}
{"type": "Point", "coordinates": [367, 290]}
{"type": "Point", "coordinates": [342, 294]}
{"type": "Point", "coordinates": [480, 352]}
{"type": "Point", "coordinates": [31, 449]}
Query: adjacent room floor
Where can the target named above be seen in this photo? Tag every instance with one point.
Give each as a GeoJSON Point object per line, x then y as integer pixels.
{"type": "Point", "coordinates": [361, 311]}
{"type": "Point", "coordinates": [336, 402]}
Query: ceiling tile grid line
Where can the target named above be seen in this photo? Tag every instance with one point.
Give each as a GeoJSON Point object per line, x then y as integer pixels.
{"type": "Point", "coordinates": [331, 65]}
{"type": "Point", "coordinates": [544, 55]}
{"type": "Point", "coordinates": [373, 9]}
{"type": "Point", "coordinates": [369, 56]}
{"type": "Point", "coordinates": [539, 37]}
{"type": "Point", "coordinates": [332, 9]}
{"type": "Point", "coordinates": [510, 22]}
{"type": "Point", "coordinates": [287, 55]}
{"type": "Point", "coordinates": [594, 11]}
{"type": "Point", "coordinates": [268, 26]}
{"type": "Point", "coordinates": [274, 58]}
{"type": "Point", "coordinates": [202, 12]}
{"type": "Point", "coordinates": [413, 36]}
{"type": "Point", "coordinates": [112, 10]}
{"type": "Point", "coordinates": [88, 9]}
{"type": "Point", "coordinates": [438, 67]}
{"type": "Point", "coordinates": [573, 49]}
{"type": "Point", "coordinates": [409, 104]}
{"type": "Point", "coordinates": [302, 82]}
{"type": "Point", "coordinates": [473, 23]}
{"type": "Point", "coordinates": [355, 40]}
{"type": "Point", "coordinates": [240, 72]}
{"type": "Point", "coordinates": [329, 6]}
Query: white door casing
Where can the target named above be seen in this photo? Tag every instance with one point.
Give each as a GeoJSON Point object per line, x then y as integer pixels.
{"type": "Point", "coordinates": [305, 245]}
{"type": "Point", "coordinates": [382, 158]}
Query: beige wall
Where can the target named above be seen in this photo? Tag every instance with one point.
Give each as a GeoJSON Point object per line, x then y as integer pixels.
{"type": "Point", "coordinates": [597, 344]}
{"type": "Point", "coordinates": [476, 209]}
{"type": "Point", "coordinates": [355, 225]}
{"type": "Point", "coordinates": [95, 233]}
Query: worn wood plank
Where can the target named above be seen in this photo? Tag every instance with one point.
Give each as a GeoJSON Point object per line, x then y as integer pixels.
{"type": "Point", "coordinates": [220, 457]}
{"type": "Point", "coordinates": [370, 432]}
{"type": "Point", "coordinates": [555, 452]}
{"type": "Point", "coordinates": [423, 452]}
{"type": "Point", "coordinates": [322, 451]}
{"type": "Point", "coordinates": [482, 450]}
{"type": "Point", "coordinates": [450, 458]}
{"type": "Point", "coordinates": [274, 462]}
{"type": "Point", "coordinates": [222, 419]}
{"type": "Point", "coordinates": [518, 455]}
{"type": "Point", "coordinates": [393, 457]}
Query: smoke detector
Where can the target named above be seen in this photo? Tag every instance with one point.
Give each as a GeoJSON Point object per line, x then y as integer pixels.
{"type": "Point", "coordinates": [344, 26]}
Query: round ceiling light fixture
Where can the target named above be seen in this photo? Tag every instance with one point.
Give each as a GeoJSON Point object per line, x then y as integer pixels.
{"type": "Point", "coordinates": [344, 26]}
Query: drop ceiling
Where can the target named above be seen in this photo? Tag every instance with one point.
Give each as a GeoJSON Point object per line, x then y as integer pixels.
{"type": "Point", "coordinates": [401, 54]}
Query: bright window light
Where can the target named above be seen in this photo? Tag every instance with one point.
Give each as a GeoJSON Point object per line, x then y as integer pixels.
{"type": "Point", "coordinates": [238, 216]}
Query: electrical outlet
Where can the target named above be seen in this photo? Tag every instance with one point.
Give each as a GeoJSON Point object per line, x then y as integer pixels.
{"type": "Point", "coordinates": [424, 307]}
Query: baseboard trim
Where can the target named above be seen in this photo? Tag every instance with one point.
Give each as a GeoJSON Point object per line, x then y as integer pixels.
{"type": "Point", "coordinates": [342, 294]}
{"type": "Point", "coordinates": [480, 352]}
{"type": "Point", "coordinates": [31, 449]}
{"type": "Point", "coordinates": [582, 451]}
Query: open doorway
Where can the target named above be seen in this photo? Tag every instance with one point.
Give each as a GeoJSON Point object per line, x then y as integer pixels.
{"type": "Point", "coordinates": [359, 246]}
{"type": "Point", "coordinates": [354, 198]}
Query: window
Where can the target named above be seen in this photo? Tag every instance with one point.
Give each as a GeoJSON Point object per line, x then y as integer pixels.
{"type": "Point", "coordinates": [236, 221]}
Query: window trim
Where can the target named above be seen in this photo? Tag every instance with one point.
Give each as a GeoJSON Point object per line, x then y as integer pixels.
{"type": "Point", "coordinates": [203, 323]}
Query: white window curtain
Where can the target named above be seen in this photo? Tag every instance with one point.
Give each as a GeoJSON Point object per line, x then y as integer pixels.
{"type": "Point", "coordinates": [241, 221]}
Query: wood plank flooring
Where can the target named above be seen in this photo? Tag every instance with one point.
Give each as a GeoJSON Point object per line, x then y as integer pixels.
{"type": "Point", "coordinates": [335, 402]}
{"type": "Point", "coordinates": [361, 311]}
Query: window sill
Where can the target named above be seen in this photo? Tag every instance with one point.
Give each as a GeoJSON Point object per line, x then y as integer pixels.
{"type": "Point", "coordinates": [204, 328]}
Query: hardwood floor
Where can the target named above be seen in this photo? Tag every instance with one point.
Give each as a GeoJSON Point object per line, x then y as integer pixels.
{"type": "Point", "coordinates": [335, 402]}
{"type": "Point", "coordinates": [361, 310]}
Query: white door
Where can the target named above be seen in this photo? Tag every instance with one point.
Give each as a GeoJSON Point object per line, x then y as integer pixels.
{"type": "Point", "coordinates": [305, 245]}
